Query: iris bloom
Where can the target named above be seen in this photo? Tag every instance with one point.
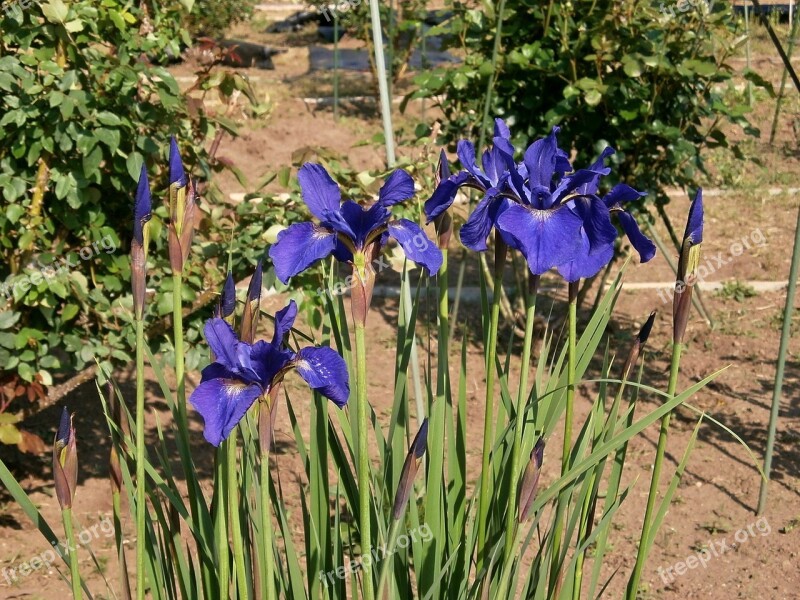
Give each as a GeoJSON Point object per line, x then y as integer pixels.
{"type": "Point", "coordinates": [65, 461]}
{"type": "Point", "coordinates": [347, 230]}
{"type": "Point", "coordinates": [181, 203]}
{"type": "Point", "coordinates": [244, 372]}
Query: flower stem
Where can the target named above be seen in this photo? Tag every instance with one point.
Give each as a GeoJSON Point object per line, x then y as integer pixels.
{"type": "Point", "coordinates": [522, 394]}
{"type": "Point", "coordinates": [177, 326]}
{"type": "Point", "coordinates": [363, 458]}
{"type": "Point", "coordinates": [644, 541]}
{"type": "Point", "coordinates": [488, 415]}
{"type": "Point", "coordinates": [563, 497]}
{"type": "Point", "coordinates": [140, 442]}
{"type": "Point", "coordinates": [266, 526]}
{"type": "Point", "coordinates": [240, 581]}
{"type": "Point", "coordinates": [72, 549]}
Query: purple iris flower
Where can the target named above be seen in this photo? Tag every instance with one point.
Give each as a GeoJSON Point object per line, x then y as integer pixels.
{"type": "Point", "coordinates": [142, 206]}
{"type": "Point", "coordinates": [243, 373]}
{"type": "Point", "coordinates": [346, 229]}
{"type": "Point", "coordinates": [544, 221]}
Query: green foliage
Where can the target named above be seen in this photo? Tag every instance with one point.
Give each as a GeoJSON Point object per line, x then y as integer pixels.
{"type": "Point", "coordinates": [81, 108]}
{"type": "Point", "coordinates": [737, 290]}
{"type": "Point", "coordinates": [213, 18]}
{"type": "Point", "coordinates": [648, 84]}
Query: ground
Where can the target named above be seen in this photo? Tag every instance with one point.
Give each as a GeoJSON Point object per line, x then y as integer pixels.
{"type": "Point", "coordinates": [712, 545]}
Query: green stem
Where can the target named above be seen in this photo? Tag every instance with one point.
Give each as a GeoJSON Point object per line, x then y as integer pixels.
{"type": "Point", "coordinates": [487, 100]}
{"type": "Point", "coordinates": [383, 86]}
{"type": "Point", "coordinates": [522, 394]}
{"type": "Point", "coordinates": [240, 581]}
{"type": "Point", "coordinates": [488, 418]}
{"type": "Point", "coordinates": [647, 535]}
{"type": "Point", "coordinates": [388, 559]}
{"type": "Point", "coordinates": [786, 334]}
{"type": "Point", "coordinates": [220, 524]}
{"type": "Point", "coordinates": [72, 549]}
{"type": "Point", "coordinates": [266, 526]}
{"type": "Point", "coordinates": [140, 471]}
{"type": "Point", "coordinates": [363, 458]}
{"type": "Point", "coordinates": [563, 497]}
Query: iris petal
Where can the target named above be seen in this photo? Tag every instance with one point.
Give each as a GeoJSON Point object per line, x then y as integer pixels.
{"type": "Point", "coordinates": [621, 193]}
{"type": "Point", "coordinates": [478, 226]}
{"type": "Point", "coordinates": [284, 319]}
{"type": "Point", "coordinates": [319, 191]}
{"type": "Point", "coordinates": [269, 361]}
{"type": "Point", "coordinates": [540, 159]}
{"type": "Point", "coordinates": [177, 175]}
{"type": "Point", "coordinates": [363, 222]}
{"type": "Point", "coordinates": [444, 195]}
{"type": "Point", "coordinates": [586, 264]}
{"type": "Point", "coordinates": [325, 371]}
{"type": "Point", "coordinates": [299, 247]}
{"type": "Point", "coordinates": [547, 237]}
{"type": "Point", "coordinates": [694, 224]}
{"type": "Point", "coordinates": [596, 222]}
{"type": "Point", "coordinates": [466, 154]}
{"type": "Point", "coordinates": [398, 187]}
{"type": "Point", "coordinates": [222, 403]}
{"type": "Point", "coordinates": [416, 245]}
{"type": "Point", "coordinates": [228, 350]}
{"type": "Point", "coordinates": [643, 245]}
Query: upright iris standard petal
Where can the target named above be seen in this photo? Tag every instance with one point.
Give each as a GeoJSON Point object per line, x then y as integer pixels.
{"type": "Point", "coordinates": [228, 350]}
{"type": "Point", "coordinates": [142, 206]}
{"type": "Point", "coordinates": [466, 154]}
{"type": "Point", "coordinates": [284, 319]}
{"type": "Point", "coordinates": [223, 403]}
{"type": "Point", "coordinates": [416, 245]}
{"type": "Point", "coordinates": [299, 247]}
{"type": "Point", "coordinates": [325, 371]}
{"type": "Point", "coordinates": [361, 222]}
{"type": "Point", "coordinates": [319, 190]}
{"type": "Point", "coordinates": [398, 187]}
{"type": "Point", "coordinates": [177, 174]}
{"type": "Point", "coordinates": [547, 238]}
{"type": "Point", "coordinates": [540, 160]}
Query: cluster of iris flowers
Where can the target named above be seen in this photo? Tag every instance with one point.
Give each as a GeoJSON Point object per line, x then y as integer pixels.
{"type": "Point", "coordinates": [553, 214]}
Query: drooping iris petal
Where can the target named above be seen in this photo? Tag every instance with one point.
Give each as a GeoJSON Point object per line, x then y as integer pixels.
{"type": "Point", "coordinates": [319, 191]}
{"type": "Point", "coordinates": [597, 223]}
{"type": "Point", "coordinates": [300, 246]}
{"type": "Point", "coordinates": [222, 403]}
{"type": "Point", "coordinates": [642, 244]}
{"type": "Point", "coordinates": [284, 319]}
{"type": "Point", "coordinates": [694, 224]}
{"type": "Point", "coordinates": [444, 195]}
{"type": "Point", "coordinates": [398, 187]}
{"type": "Point", "coordinates": [362, 222]}
{"type": "Point", "coordinates": [325, 371]}
{"type": "Point", "coordinates": [228, 350]}
{"type": "Point", "coordinates": [586, 264]}
{"type": "Point", "coordinates": [141, 206]}
{"type": "Point", "coordinates": [177, 174]}
{"type": "Point", "coordinates": [547, 238]}
{"type": "Point", "coordinates": [620, 194]}
{"type": "Point", "coordinates": [592, 186]}
{"type": "Point", "coordinates": [478, 226]}
{"type": "Point", "coordinates": [416, 245]}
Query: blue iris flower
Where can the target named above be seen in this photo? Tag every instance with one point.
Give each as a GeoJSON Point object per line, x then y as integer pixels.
{"type": "Point", "coordinates": [243, 373]}
{"type": "Point", "coordinates": [346, 229]}
{"type": "Point", "coordinates": [542, 207]}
